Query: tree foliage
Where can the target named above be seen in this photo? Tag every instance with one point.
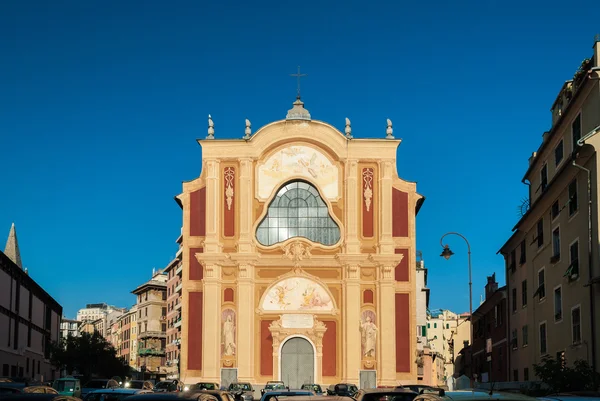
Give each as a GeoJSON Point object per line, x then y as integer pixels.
{"type": "Point", "coordinates": [89, 355]}
{"type": "Point", "coordinates": [561, 378]}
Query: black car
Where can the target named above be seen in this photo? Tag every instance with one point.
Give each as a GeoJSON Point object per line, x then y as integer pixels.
{"type": "Point", "coordinates": [272, 385]}
{"type": "Point", "coordinates": [241, 391]}
{"type": "Point", "coordinates": [168, 386]}
{"type": "Point", "coordinates": [342, 389]}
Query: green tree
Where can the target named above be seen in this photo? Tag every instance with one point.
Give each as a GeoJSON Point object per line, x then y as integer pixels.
{"type": "Point", "coordinates": [89, 355]}
{"type": "Point", "coordinates": [562, 378]}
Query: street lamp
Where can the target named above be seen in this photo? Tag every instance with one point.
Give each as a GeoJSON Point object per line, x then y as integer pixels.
{"type": "Point", "coordinates": [446, 254]}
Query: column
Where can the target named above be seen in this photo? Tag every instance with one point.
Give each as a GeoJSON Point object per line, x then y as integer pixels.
{"type": "Point", "coordinates": [351, 318]}
{"type": "Point", "coordinates": [245, 206]}
{"type": "Point", "coordinates": [245, 323]}
{"type": "Point", "coordinates": [386, 317]}
{"type": "Point", "coordinates": [213, 207]}
{"type": "Point", "coordinates": [211, 330]}
{"type": "Point", "coordinates": [352, 207]}
{"type": "Point", "coordinates": [386, 242]}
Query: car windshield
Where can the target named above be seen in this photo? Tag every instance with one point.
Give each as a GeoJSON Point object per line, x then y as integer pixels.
{"type": "Point", "coordinates": [106, 396]}
{"type": "Point", "coordinates": [240, 386]}
{"type": "Point", "coordinates": [203, 386]}
{"type": "Point", "coordinates": [96, 384]}
{"type": "Point", "coordinates": [160, 385]}
{"type": "Point", "coordinates": [137, 384]}
{"type": "Point", "coordinates": [390, 397]}
{"type": "Point", "coordinates": [64, 385]}
{"type": "Point", "coordinates": [272, 386]}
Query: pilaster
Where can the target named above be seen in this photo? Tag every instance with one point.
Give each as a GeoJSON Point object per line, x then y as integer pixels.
{"type": "Point", "coordinates": [352, 207]}
{"type": "Point", "coordinates": [386, 242]}
{"type": "Point", "coordinates": [245, 321]}
{"type": "Point", "coordinates": [245, 206]}
{"type": "Point", "coordinates": [211, 347]}
{"type": "Point", "coordinates": [213, 207]}
{"type": "Point", "coordinates": [386, 292]}
{"type": "Point", "coordinates": [351, 322]}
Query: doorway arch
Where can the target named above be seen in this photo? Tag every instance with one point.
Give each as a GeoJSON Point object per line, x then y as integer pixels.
{"type": "Point", "coordinates": [297, 362]}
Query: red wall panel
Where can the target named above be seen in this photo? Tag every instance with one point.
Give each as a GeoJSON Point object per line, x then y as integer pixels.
{"type": "Point", "coordinates": [403, 331]}
{"type": "Point", "coordinates": [401, 271]}
{"type": "Point", "coordinates": [195, 331]}
{"type": "Point", "coordinates": [198, 213]}
{"type": "Point", "coordinates": [196, 269]}
{"type": "Point", "coordinates": [367, 213]}
{"type": "Point", "coordinates": [229, 210]}
{"type": "Point", "coordinates": [266, 349]}
{"type": "Point", "coordinates": [228, 295]}
{"type": "Point", "coordinates": [329, 349]}
{"type": "Point", "coordinates": [368, 297]}
{"type": "Point", "coordinates": [399, 213]}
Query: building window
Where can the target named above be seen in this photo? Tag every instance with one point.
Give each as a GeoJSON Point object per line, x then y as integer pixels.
{"type": "Point", "coordinates": [514, 300]}
{"type": "Point", "coordinates": [573, 269]}
{"type": "Point", "coordinates": [523, 256]}
{"type": "Point", "coordinates": [544, 177]}
{"type": "Point", "coordinates": [428, 325]}
{"type": "Point", "coordinates": [558, 153]}
{"type": "Point", "coordinates": [298, 211]}
{"type": "Point", "coordinates": [555, 245]}
{"type": "Point", "coordinates": [540, 233]}
{"type": "Point", "coordinates": [514, 342]}
{"type": "Point", "coordinates": [447, 325]}
{"type": "Point", "coordinates": [525, 374]}
{"type": "Point", "coordinates": [555, 211]}
{"type": "Point", "coordinates": [543, 349]}
{"type": "Point", "coordinates": [541, 290]}
{"type": "Point", "coordinates": [576, 324]}
{"type": "Point", "coordinates": [435, 325]}
{"type": "Point", "coordinates": [513, 260]}
{"type": "Point", "coordinates": [524, 293]}
{"type": "Point", "coordinates": [573, 202]}
{"type": "Point", "coordinates": [525, 335]}
{"type": "Point", "coordinates": [576, 130]}
{"type": "Point", "coordinates": [516, 375]}
{"type": "Point", "coordinates": [558, 303]}
{"type": "Point", "coordinates": [27, 365]}
{"type": "Point", "coordinates": [423, 331]}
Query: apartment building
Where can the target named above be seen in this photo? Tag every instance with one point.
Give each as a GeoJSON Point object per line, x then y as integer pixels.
{"type": "Point", "coordinates": [29, 319]}
{"type": "Point", "coordinates": [93, 312]}
{"type": "Point", "coordinates": [174, 272]}
{"type": "Point", "coordinates": [69, 327]}
{"type": "Point", "coordinates": [125, 337]}
{"type": "Point", "coordinates": [152, 326]}
{"type": "Point", "coordinates": [552, 269]}
{"type": "Point", "coordinates": [445, 329]}
{"type": "Point", "coordinates": [422, 295]}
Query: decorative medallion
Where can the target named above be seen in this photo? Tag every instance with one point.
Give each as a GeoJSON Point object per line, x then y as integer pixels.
{"type": "Point", "coordinates": [368, 187]}
{"type": "Point", "coordinates": [297, 251]}
{"type": "Point", "coordinates": [229, 176]}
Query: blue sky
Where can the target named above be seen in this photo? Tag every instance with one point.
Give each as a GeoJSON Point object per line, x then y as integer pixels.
{"type": "Point", "coordinates": [101, 104]}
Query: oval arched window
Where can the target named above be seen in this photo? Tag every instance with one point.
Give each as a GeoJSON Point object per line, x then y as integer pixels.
{"type": "Point", "coordinates": [298, 211]}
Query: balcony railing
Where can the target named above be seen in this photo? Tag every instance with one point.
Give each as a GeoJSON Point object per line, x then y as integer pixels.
{"type": "Point", "coordinates": [179, 287]}
{"type": "Point", "coordinates": [152, 334]}
{"type": "Point", "coordinates": [177, 323]}
{"type": "Point", "coordinates": [178, 306]}
{"type": "Point", "coordinates": [151, 352]}
{"type": "Point", "coordinates": [179, 269]}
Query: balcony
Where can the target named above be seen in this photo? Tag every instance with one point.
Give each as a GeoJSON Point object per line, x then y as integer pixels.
{"type": "Point", "coordinates": [179, 269]}
{"type": "Point", "coordinates": [179, 252]}
{"type": "Point", "coordinates": [178, 288]}
{"type": "Point", "coordinates": [152, 334]}
{"type": "Point", "coordinates": [151, 352]}
{"type": "Point", "coordinates": [177, 323]}
{"type": "Point", "coordinates": [178, 306]}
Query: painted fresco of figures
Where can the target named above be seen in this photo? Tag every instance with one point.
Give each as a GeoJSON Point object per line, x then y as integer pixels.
{"type": "Point", "coordinates": [228, 333]}
{"type": "Point", "coordinates": [368, 332]}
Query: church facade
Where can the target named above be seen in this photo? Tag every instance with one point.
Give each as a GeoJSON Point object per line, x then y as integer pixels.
{"type": "Point", "coordinates": [298, 258]}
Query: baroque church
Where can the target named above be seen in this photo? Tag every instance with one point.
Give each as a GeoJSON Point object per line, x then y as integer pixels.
{"type": "Point", "coordinates": [298, 256]}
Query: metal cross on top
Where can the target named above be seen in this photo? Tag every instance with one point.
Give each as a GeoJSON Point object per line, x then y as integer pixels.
{"type": "Point", "coordinates": [298, 76]}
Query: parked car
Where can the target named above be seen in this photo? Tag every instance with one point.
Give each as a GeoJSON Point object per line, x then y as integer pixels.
{"type": "Point", "coordinates": [202, 386]}
{"type": "Point", "coordinates": [9, 390]}
{"type": "Point", "coordinates": [271, 386]}
{"type": "Point", "coordinates": [98, 384]}
{"type": "Point", "coordinates": [275, 394]}
{"type": "Point", "coordinates": [342, 389]}
{"type": "Point", "coordinates": [207, 395]}
{"type": "Point", "coordinates": [68, 386]}
{"type": "Point", "coordinates": [168, 386]}
{"type": "Point", "coordinates": [38, 397]}
{"type": "Point", "coordinates": [241, 391]}
{"type": "Point", "coordinates": [40, 389]}
{"type": "Point", "coordinates": [114, 394]}
{"type": "Point", "coordinates": [421, 388]}
{"type": "Point", "coordinates": [315, 388]}
{"type": "Point", "coordinates": [139, 384]}
{"type": "Point", "coordinates": [385, 394]}
{"type": "Point", "coordinates": [472, 395]}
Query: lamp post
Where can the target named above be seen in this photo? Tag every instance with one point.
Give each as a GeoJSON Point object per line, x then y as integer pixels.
{"type": "Point", "coordinates": [446, 254]}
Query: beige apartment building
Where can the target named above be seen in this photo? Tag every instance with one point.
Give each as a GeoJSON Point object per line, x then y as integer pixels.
{"type": "Point", "coordinates": [152, 326]}
{"type": "Point", "coordinates": [174, 272]}
{"type": "Point", "coordinates": [29, 319]}
{"type": "Point", "coordinates": [125, 337]}
{"type": "Point", "coordinates": [552, 261]}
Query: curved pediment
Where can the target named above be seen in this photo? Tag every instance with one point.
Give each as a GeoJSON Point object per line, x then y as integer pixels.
{"type": "Point", "coordinates": [299, 294]}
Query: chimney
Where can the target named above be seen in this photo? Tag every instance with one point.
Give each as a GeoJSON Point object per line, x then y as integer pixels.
{"type": "Point", "coordinates": [532, 158]}
{"type": "Point", "coordinates": [491, 286]}
{"type": "Point", "coordinates": [596, 48]}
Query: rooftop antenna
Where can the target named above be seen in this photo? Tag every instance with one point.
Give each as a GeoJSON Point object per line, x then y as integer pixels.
{"type": "Point", "coordinates": [298, 76]}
